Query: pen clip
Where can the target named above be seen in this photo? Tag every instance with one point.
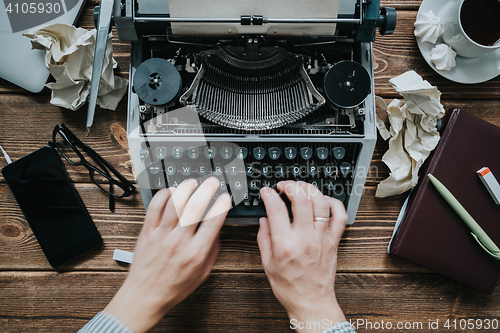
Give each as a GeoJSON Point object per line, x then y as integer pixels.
{"type": "Point", "coordinates": [495, 253]}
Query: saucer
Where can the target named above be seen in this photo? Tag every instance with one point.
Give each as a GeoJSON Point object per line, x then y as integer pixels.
{"type": "Point", "coordinates": [467, 70]}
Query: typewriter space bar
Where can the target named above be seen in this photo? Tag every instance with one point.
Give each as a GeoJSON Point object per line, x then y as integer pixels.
{"type": "Point", "coordinates": [251, 211]}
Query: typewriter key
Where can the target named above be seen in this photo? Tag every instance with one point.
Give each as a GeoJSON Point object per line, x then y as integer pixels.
{"type": "Point", "coordinates": [193, 153]}
{"type": "Point", "coordinates": [322, 153]}
{"type": "Point", "coordinates": [241, 153]}
{"type": "Point", "coordinates": [161, 152]}
{"type": "Point", "coordinates": [290, 152]}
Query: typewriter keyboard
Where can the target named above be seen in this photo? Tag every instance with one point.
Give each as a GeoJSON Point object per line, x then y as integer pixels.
{"type": "Point", "coordinates": [244, 168]}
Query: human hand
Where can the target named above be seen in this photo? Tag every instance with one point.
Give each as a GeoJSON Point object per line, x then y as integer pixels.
{"type": "Point", "coordinates": [300, 258]}
{"type": "Point", "coordinates": [171, 261]}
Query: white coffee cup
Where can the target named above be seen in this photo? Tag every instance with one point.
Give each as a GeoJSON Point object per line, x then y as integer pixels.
{"type": "Point", "coordinates": [455, 36]}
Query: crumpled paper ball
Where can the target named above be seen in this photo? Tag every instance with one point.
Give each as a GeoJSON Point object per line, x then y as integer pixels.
{"type": "Point", "coordinates": [413, 134]}
{"type": "Point", "coordinates": [69, 56]}
{"type": "Point", "coordinates": [443, 57]}
{"type": "Point", "coordinates": [428, 27]}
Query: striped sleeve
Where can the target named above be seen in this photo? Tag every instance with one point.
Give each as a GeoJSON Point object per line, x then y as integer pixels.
{"type": "Point", "coordinates": [103, 322]}
{"type": "Point", "coordinates": [343, 327]}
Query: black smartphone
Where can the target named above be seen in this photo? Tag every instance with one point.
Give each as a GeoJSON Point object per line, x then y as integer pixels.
{"type": "Point", "coordinates": [52, 206]}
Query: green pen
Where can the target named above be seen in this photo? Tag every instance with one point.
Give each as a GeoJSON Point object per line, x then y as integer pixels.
{"type": "Point", "coordinates": [477, 232]}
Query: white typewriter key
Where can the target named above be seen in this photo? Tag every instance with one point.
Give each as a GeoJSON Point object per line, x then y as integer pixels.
{"type": "Point", "coordinates": [170, 169]}
{"type": "Point", "coordinates": [322, 153]}
{"type": "Point", "coordinates": [160, 152]}
{"type": "Point", "coordinates": [237, 185]}
{"type": "Point", "coordinates": [210, 152]}
{"type": "Point", "coordinates": [154, 167]}
{"type": "Point", "coordinates": [218, 169]}
{"type": "Point", "coordinates": [329, 170]}
{"type": "Point", "coordinates": [265, 169]}
{"type": "Point", "coordinates": [232, 169]}
{"type": "Point", "coordinates": [306, 153]}
{"type": "Point", "coordinates": [202, 169]}
{"type": "Point", "coordinates": [290, 153]}
{"type": "Point", "coordinates": [193, 153]}
{"type": "Point", "coordinates": [338, 152]}
{"type": "Point", "coordinates": [259, 153]}
{"type": "Point", "coordinates": [158, 182]}
{"type": "Point", "coordinates": [174, 181]}
{"type": "Point", "coordinates": [329, 184]}
{"type": "Point", "coordinates": [186, 169]}
{"type": "Point", "coordinates": [267, 183]}
{"type": "Point", "coordinates": [312, 169]}
{"type": "Point", "coordinates": [247, 197]}
{"type": "Point", "coordinates": [250, 169]}
{"type": "Point", "coordinates": [280, 170]}
{"type": "Point", "coordinates": [241, 153]}
{"type": "Point", "coordinates": [345, 168]}
{"type": "Point", "coordinates": [274, 153]}
{"type": "Point", "coordinates": [295, 170]}
{"type": "Point", "coordinates": [226, 153]}
{"type": "Point", "coordinates": [254, 185]}
{"type": "Point", "coordinates": [177, 152]}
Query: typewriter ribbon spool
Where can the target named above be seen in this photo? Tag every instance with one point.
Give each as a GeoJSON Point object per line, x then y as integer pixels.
{"type": "Point", "coordinates": [347, 84]}
{"type": "Point", "coordinates": [157, 81]}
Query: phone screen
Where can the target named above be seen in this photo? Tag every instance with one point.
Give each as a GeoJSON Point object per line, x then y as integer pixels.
{"type": "Point", "coordinates": [52, 206]}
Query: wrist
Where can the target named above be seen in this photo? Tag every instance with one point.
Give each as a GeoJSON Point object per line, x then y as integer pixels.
{"type": "Point", "coordinates": [135, 310]}
{"type": "Point", "coordinates": [315, 317]}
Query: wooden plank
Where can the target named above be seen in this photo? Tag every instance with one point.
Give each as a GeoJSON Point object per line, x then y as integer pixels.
{"type": "Point", "coordinates": [393, 55]}
{"type": "Point", "coordinates": [362, 249]}
{"type": "Point", "coordinates": [231, 302]}
{"type": "Point", "coordinates": [28, 121]}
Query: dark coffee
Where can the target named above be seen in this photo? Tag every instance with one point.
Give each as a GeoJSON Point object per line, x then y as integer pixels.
{"type": "Point", "coordinates": [481, 20]}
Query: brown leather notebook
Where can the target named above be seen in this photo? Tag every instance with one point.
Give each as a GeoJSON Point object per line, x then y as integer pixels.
{"type": "Point", "coordinates": [431, 234]}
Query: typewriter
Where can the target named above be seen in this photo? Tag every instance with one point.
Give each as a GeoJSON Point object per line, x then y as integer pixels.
{"type": "Point", "coordinates": [251, 96]}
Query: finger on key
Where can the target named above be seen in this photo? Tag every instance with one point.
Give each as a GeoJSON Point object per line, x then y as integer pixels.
{"type": "Point", "coordinates": [302, 208]}
{"type": "Point", "coordinates": [321, 209]}
{"type": "Point", "coordinates": [177, 202]}
{"type": "Point", "coordinates": [277, 214]}
{"type": "Point", "coordinates": [338, 219]}
{"type": "Point", "coordinates": [156, 209]}
{"type": "Point", "coordinates": [209, 229]}
{"type": "Point", "coordinates": [198, 203]}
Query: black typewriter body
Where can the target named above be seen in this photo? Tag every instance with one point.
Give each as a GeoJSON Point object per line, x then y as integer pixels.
{"type": "Point", "coordinates": [251, 110]}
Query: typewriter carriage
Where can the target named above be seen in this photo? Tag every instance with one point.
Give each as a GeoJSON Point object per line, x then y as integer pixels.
{"type": "Point", "coordinates": [186, 123]}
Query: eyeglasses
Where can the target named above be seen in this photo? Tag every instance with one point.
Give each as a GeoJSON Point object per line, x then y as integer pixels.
{"type": "Point", "coordinates": [103, 174]}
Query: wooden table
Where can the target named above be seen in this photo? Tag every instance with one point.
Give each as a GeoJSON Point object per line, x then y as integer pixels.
{"type": "Point", "coordinates": [372, 286]}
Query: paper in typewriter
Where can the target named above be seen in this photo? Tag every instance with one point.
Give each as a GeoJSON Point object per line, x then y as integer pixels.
{"type": "Point", "coordinates": [277, 9]}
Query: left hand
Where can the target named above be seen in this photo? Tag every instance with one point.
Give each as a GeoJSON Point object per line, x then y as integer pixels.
{"type": "Point", "coordinates": [171, 261]}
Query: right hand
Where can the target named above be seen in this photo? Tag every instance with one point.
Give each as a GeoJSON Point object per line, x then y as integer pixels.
{"type": "Point", "coordinates": [300, 258]}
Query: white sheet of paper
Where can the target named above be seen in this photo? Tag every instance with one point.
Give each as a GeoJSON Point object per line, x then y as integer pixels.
{"type": "Point", "coordinates": [413, 133]}
{"type": "Point", "coordinates": [270, 9]}
{"type": "Point", "coordinates": [69, 56]}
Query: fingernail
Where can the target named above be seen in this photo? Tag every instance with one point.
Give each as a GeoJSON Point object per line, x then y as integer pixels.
{"type": "Point", "coordinates": [214, 180]}
{"type": "Point", "coordinates": [226, 196]}
{"type": "Point", "coordinates": [265, 191]}
{"type": "Point", "coordinates": [260, 220]}
{"type": "Point", "coordinates": [189, 180]}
